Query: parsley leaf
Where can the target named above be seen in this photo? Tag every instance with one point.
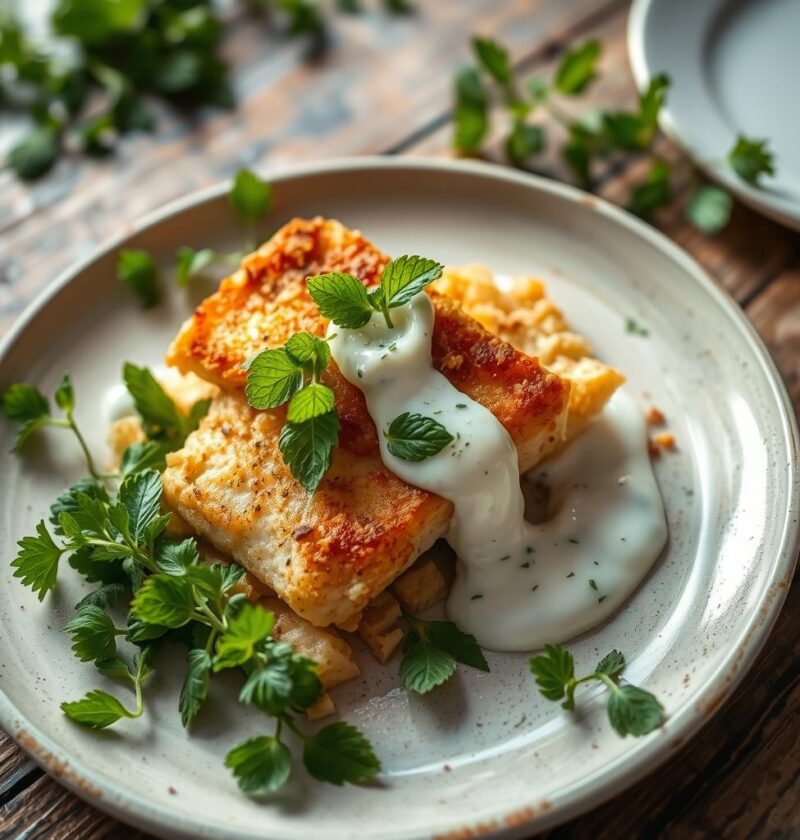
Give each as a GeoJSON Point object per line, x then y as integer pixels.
{"type": "Point", "coordinates": [305, 347]}
{"type": "Point", "coordinates": [141, 496]}
{"type": "Point", "coordinates": [577, 68]}
{"type": "Point", "coordinates": [654, 192]}
{"type": "Point", "coordinates": [285, 680]}
{"type": "Point", "coordinates": [189, 263]}
{"type": "Point", "coordinates": [471, 111]}
{"type": "Point", "coordinates": [461, 646]}
{"type": "Point", "coordinates": [97, 710]}
{"type": "Point", "coordinates": [525, 141]}
{"type": "Point", "coordinates": [424, 666]}
{"type": "Point", "coordinates": [261, 765]}
{"type": "Point", "coordinates": [35, 153]}
{"type": "Point", "coordinates": [631, 710]}
{"type": "Point", "coordinates": [750, 159]}
{"type": "Point", "coordinates": [36, 563]}
{"type": "Point", "coordinates": [634, 711]}
{"type": "Point", "coordinates": [93, 634]}
{"type": "Point", "coordinates": [406, 277]}
{"type": "Point", "coordinates": [164, 600]}
{"type": "Point", "coordinates": [237, 644]}
{"type": "Point", "coordinates": [26, 405]}
{"type": "Point", "coordinates": [709, 208]}
{"type": "Point", "coordinates": [494, 59]}
{"type": "Point", "coordinates": [414, 437]}
{"type": "Point", "coordinates": [341, 298]}
{"type": "Point", "coordinates": [250, 196]}
{"type": "Point", "coordinates": [273, 377]}
{"type": "Point", "coordinates": [195, 685]}
{"type": "Point", "coordinates": [307, 447]}
{"type": "Point", "coordinates": [339, 753]}
{"type": "Point", "coordinates": [137, 269]}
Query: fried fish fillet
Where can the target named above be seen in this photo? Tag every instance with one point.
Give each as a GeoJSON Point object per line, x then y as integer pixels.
{"type": "Point", "coordinates": [328, 555]}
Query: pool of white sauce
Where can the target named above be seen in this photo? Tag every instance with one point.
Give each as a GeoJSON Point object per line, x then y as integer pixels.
{"type": "Point", "coordinates": [518, 585]}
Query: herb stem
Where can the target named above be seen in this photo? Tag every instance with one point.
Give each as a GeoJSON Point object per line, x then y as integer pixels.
{"type": "Point", "coordinates": [69, 423]}
{"type": "Point", "coordinates": [558, 114]}
{"type": "Point", "coordinates": [385, 310]}
{"type": "Point", "coordinates": [206, 615]}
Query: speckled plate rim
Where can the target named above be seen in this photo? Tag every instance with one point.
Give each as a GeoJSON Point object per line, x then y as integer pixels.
{"type": "Point", "coordinates": [71, 771]}
{"type": "Point", "coordinates": [757, 199]}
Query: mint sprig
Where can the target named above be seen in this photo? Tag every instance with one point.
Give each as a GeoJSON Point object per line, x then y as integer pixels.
{"type": "Point", "coordinates": [344, 300]}
{"type": "Point", "coordinates": [414, 437]}
{"type": "Point", "coordinates": [432, 651]}
{"type": "Point", "coordinates": [631, 710]}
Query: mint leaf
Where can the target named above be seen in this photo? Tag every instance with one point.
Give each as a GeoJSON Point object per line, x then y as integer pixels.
{"type": "Point", "coordinates": [339, 753]}
{"type": "Point", "coordinates": [138, 271]}
{"type": "Point", "coordinates": [273, 377]}
{"type": "Point", "coordinates": [104, 596]}
{"type": "Point", "coordinates": [414, 437]}
{"type": "Point", "coordinates": [113, 667]}
{"type": "Point", "coordinates": [634, 711]}
{"type": "Point", "coordinates": [195, 685]}
{"type": "Point", "coordinates": [26, 405]}
{"type": "Point", "coordinates": [461, 646]}
{"type": "Point", "coordinates": [577, 68]}
{"type": "Point", "coordinates": [306, 448]}
{"type": "Point", "coordinates": [189, 263]}
{"type": "Point", "coordinates": [424, 666]}
{"type": "Point", "coordinates": [237, 644]}
{"type": "Point", "coordinates": [709, 208]}
{"type": "Point", "coordinates": [36, 563]}
{"type": "Point", "coordinates": [494, 59]}
{"type": "Point", "coordinates": [97, 710]}
{"type": "Point", "coordinates": [65, 394]}
{"type": "Point", "coordinates": [164, 600]}
{"type": "Point", "coordinates": [312, 401]}
{"type": "Point", "coordinates": [67, 501]}
{"type": "Point", "coordinates": [93, 634]}
{"type": "Point", "coordinates": [750, 159]}
{"type": "Point", "coordinates": [654, 192]}
{"type": "Point", "coordinates": [341, 298]}
{"type": "Point", "coordinates": [304, 347]}
{"type": "Point", "coordinates": [34, 155]}
{"type": "Point", "coordinates": [250, 196]}
{"type": "Point", "coordinates": [406, 277]}
{"type": "Point", "coordinates": [286, 680]}
{"type": "Point", "coordinates": [141, 495]}
{"type": "Point", "coordinates": [554, 671]}
{"type": "Point", "coordinates": [261, 765]}
{"type": "Point", "coordinates": [611, 664]}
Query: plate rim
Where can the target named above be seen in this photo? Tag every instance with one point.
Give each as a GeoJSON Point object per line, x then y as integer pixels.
{"type": "Point", "coordinates": [70, 771]}
{"type": "Point", "coordinates": [753, 197]}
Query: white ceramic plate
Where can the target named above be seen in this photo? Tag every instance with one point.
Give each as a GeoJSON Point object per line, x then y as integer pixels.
{"type": "Point", "coordinates": [734, 67]}
{"type": "Point", "coordinates": [485, 753]}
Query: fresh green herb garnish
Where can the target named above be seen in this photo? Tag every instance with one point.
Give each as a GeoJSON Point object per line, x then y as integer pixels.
{"type": "Point", "coordinates": [291, 374]}
{"type": "Point", "coordinates": [592, 138]}
{"type": "Point", "coordinates": [414, 437]}
{"type": "Point", "coordinates": [431, 651]}
{"type": "Point", "coordinates": [750, 159]}
{"type": "Point", "coordinates": [190, 263]}
{"type": "Point", "coordinates": [138, 271]}
{"type": "Point", "coordinates": [631, 710]}
{"type": "Point", "coordinates": [633, 327]}
{"type": "Point", "coordinates": [344, 299]}
{"type": "Point", "coordinates": [27, 406]}
{"type": "Point", "coordinates": [251, 197]}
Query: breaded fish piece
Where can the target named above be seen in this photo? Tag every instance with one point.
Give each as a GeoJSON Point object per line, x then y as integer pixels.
{"type": "Point", "coordinates": [329, 555]}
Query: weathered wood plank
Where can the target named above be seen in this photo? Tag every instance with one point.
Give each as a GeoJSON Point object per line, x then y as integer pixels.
{"type": "Point", "coordinates": [16, 769]}
{"type": "Point", "coordinates": [384, 78]}
{"type": "Point", "coordinates": [46, 811]}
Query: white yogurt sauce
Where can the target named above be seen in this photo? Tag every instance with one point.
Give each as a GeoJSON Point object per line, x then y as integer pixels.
{"type": "Point", "coordinates": [518, 585]}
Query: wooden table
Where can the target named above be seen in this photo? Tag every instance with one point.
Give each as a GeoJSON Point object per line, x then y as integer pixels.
{"type": "Point", "coordinates": [384, 86]}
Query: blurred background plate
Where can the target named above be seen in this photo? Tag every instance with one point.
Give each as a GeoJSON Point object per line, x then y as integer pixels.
{"type": "Point", "coordinates": [485, 754]}
{"type": "Point", "coordinates": [734, 66]}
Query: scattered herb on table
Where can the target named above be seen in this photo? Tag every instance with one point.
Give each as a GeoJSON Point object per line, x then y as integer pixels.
{"type": "Point", "coordinates": [154, 590]}
{"type": "Point", "coordinates": [591, 137]}
{"type": "Point", "coordinates": [631, 710]}
{"type": "Point", "coordinates": [292, 373]}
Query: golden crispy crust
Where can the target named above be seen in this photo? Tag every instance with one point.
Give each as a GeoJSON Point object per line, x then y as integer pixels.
{"type": "Point", "coordinates": [329, 555]}
{"type": "Point", "coordinates": [267, 301]}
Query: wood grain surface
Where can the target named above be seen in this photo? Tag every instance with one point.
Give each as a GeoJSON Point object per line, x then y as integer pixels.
{"type": "Point", "coordinates": [384, 86]}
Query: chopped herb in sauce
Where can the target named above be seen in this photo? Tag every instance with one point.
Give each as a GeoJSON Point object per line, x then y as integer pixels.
{"type": "Point", "coordinates": [593, 584]}
{"type": "Point", "coordinates": [476, 597]}
{"type": "Point", "coordinates": [571, 574]}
